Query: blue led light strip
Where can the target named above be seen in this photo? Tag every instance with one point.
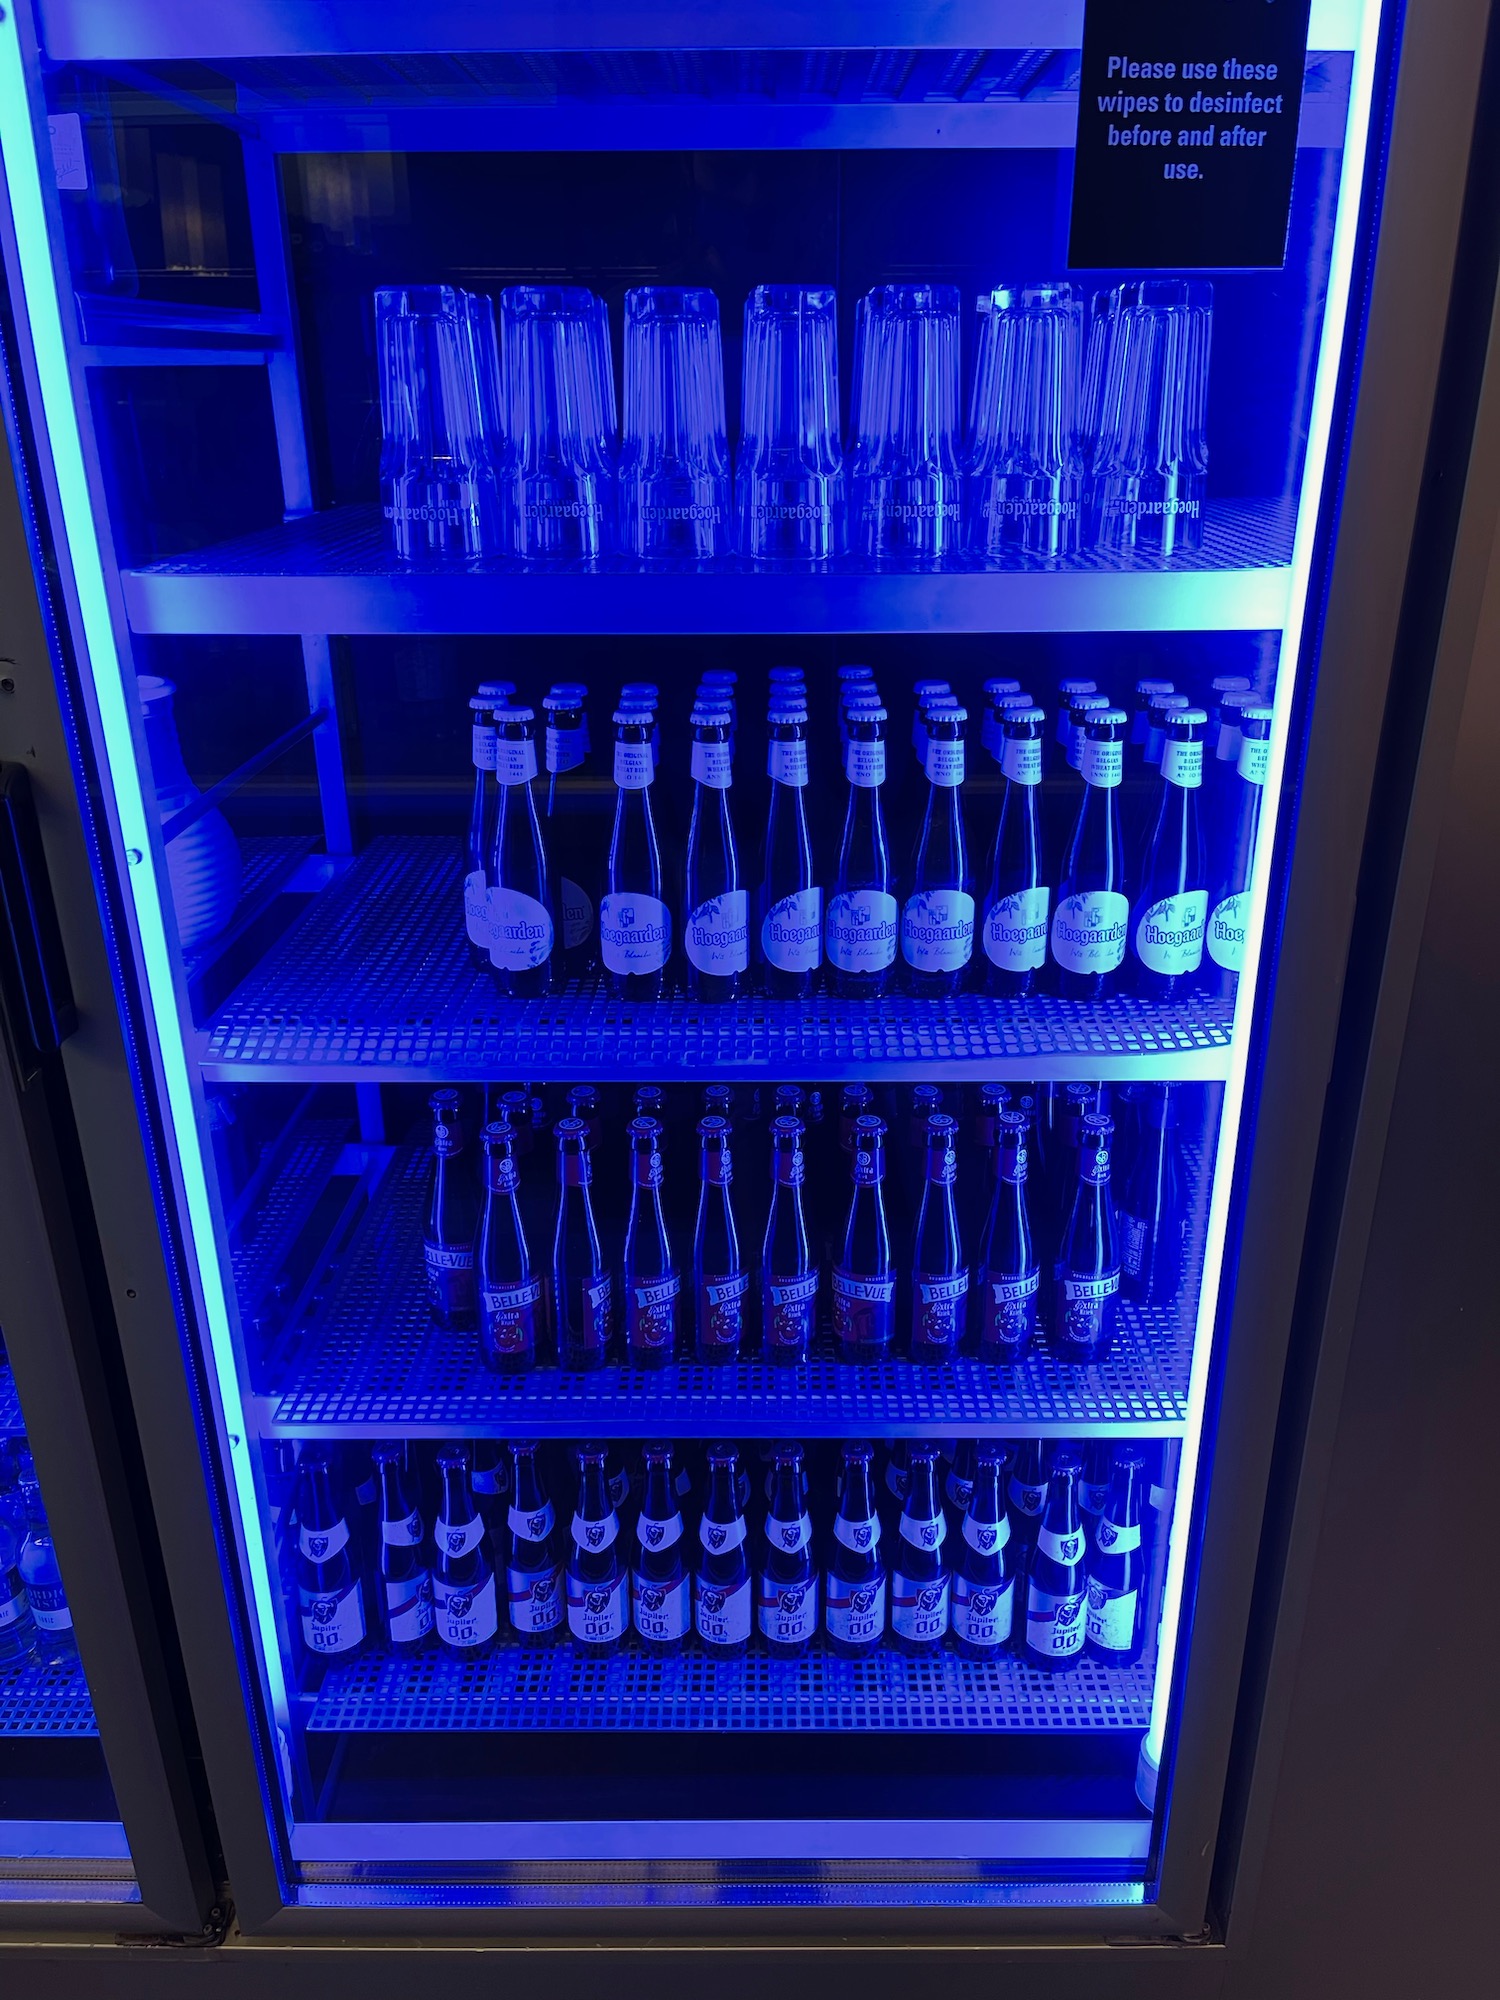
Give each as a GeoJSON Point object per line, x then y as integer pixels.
{"type": "Point", "coordinates": [133, 818]}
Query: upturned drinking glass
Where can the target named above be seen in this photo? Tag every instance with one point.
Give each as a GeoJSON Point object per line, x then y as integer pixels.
{"type": "Point", "coordinates": [674, 450]}
{"type": "Point", "coordinates": [1150, 457]}
{"type": "Point", "coordinates": [789, 481]}
{"type": "Point", "coordinates": [559, 400]}
{"type": "Point", "coordinates": [437, 478]}
{"type": "Point", "coordinates": [904, 465]}
{"type": "Point", "coordinates": [1024, 488]}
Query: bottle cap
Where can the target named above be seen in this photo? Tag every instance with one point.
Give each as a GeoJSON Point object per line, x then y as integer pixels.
{"type": "Point", "coordinates": [504, 715]}
{"type": "Point", "coordinates": [871, 1126]}
{"type": "Point", "coordinates": [1077, 687]}
{"type": "Point", "coordinates": [1191, 718]}
{"type": "Point", "coordinates": [632, 718]}
{"type": "Point", "coordinates": [491, 692]}
{"type": "Point", "coordinates": [1022, 718]}
{"type": "Point", "coordinates": [994, 689]}
{"type": "Point", "coordinates": [1256, 712]}
{"type": "Point", "coordinates": [787, 1128]}
{"type": "Point", "coordinates": [1105, 718]}
{"type": "Point", "coordinates": [721, 677]}
{"type": "Point", "coordinates": [1065, 1459]}
{"type": "Point", "coordinates": [1231, 683]}
{"type": "Point", "coordinates": [787, 712]}
{"type": "Point", "coordinates": [867, 711]}
{"type": "Point", "coordinates": [645, 1128]}
{"type": "Point", "coordinates": [712, 1127]}
{"type": "Point", "coordinates": [570, 1128]}
{"type": "Point", "coordinates": [1161, 703]}
{"type": "Point", "coordinates": [1148, 688]}
{"type": "Point", "coordinates": [948, 711]}
{"type": "Point", "coordinates": [940, 1129]}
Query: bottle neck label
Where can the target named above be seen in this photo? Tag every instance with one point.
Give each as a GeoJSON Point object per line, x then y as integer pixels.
{"type": "Point", "coordinates": [577, 1168]}
{"type": "Point", "coordinates": [531, 1525]}
{"type": "Point", "coordinates": [937, 930]}
{"type": "Point", "coordinates": [1116, 1541]}
{"type": "Point", "coordinates": [791, 1166]}
{"type": "Point", "coordinates": [658, 1534]}
{"type": "Point", "coordinates": [1254, 759]}
{"type": "Point", "coordinates": [1182, 764]}
{"type": "Point", "coordinates": [1015, 930]}
{"type": "Point", "coordinates": [868, 1166]}
{"type": "Point", "coordinates": [862, 929]}
{"type": "Point", "coordinates": [716, 936]}
{"type": "Point", "coordinates": [515, 762]}
{"type": "Point", "coordinates": [1021, 760]}
{"type": "Point", "coordinates": [1102, 764]}
{"type": "Point", "coordinates": [1089, 930]}
{"type": "Point", "coordinates": [863, 1537]}
{"type": "Point", "coordinates": [565, 749]}
{"type": "Point", "coordinates": [930, 1534]}
{"type": "Point", "coordinates": [864, 763]}
{"type": "Point", "coordinates": [504, 1175]}
{"type": "Point", "coordinates": [404, 1534]}
{"type": "Point", "coordinates": [649, 1169]}
{"type": "Point", "coordinates": [594, 1537]}
{"type": "Point", "coordinates": [986, 1538]}
{"type": "Point", "coordinates": [484, 746]}
{"type": "Point", "coordinates": [719, 1537]}
{"type": "Point", "coordinates": [634, 766]}
{"type": "Point", "coordinates": [713, 765]}
{"type": "Point", "coordinates": [1065, 1549]}
{"type": "Point", "coordinates": [457, 1538]}
{"type": "Point", "coordinates": [718, 1166]}
{"type": "Point", "coordinates": [635, 932]}
{"type": "Point", "coordinates": [1169, 933]}
{"type": "Point", "coordinates": [792, 931]}
{"type": "Point", "coordinates": [321, 1545]}
{"type": "Point", "coordinates": [789, 1537]}
{"type": "Point", "coordinates": [786, 763]}
{"type": "Point", "coordinates": [1225, 932]}
{"type": "Point", "coordinates": [944, 762]}
{"type": "Point", "coordinates": [942, 1167]}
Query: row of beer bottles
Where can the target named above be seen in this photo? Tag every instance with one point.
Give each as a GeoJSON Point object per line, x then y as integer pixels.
{"type": "Point", "coordinates": [994, 1548]}
{"type": "Point", "coordinates": [986, 901]}
{"type": "Point", "coordinates": [981, 1266]}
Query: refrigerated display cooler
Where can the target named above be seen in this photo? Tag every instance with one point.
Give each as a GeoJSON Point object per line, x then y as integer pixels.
{"type": "Point", "coordinates": [405, 664]}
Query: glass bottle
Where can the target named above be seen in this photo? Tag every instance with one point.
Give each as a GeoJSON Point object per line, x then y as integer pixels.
{"type": "Point", "coordinates": [790, 902]}
{"type": "Point", "coordinates": [1152, 1215]}
{"type": "Point", "coordinates": [1007, 1269]}
{"type": "Point", "coordinates": [569, 814]}
{"type": "Point", "coordinates": [864, 1277]}
{"type": "Point", "coordinates": [863, 917]}
{"type": "Point", "coordinates": [1233, 860]}
{"type": "Point", "coordinates": [984, 1574]}
{"type": "Point", "coordinates": [18, 1633]}
{"type": "Point", "coordinates": [1091, 922]}
{"type": "Point", "coordinates": [939, 1274]}
{"type": "Point", "coordinates": [652, 1280]}
{"type": "Point", "coordinates": [452, 1215]}
{"type": "Point", "coordinates": [533, 1563]}
{"type": "Point", "coordinates": [854, 1587]}
{"type": "Point", "coordinates": [1026, 1490]}
{"type": "Point", "coordinates": [937, 918]}
{"type": "Point", "coordinates": [481, 828]}
{"type": "Point", "coordinates": [520, 900]}
{"type": "Point", "coordinates": [582, 1291]}
{"type": "Point", "coordinates": [405, 1600]}
{"type": "Point", "coordinates": [721, 1283]}
{"type": "Point", "coordinates": [510, 1289]}
{"type": "Point", "coordinates": [716, 912]}
{"type": "Point", "coordinates": [635, 925]}
{"type": "Point", "coordinates": [1056, 1587]}
{"type": "Point", "coordinates": [1088, 1269]}
{"type": "Point", "coordinates": [466, 1613]}
{"type": "Point", "coordinates": [787, 1587]}
{"type": "Point", "coordinates": [919, 1576]}
{"type": "Point", "coordinates": [721, 1586]}
{"type": "Point", "coordinates": [1017, 898]}
{"type": "Point", "coordinates": [1113, 1620]}
{"type": "Point", "coordinates": [330, 1593]}
{"type": "Point", "coordinates": [661, 1590]}
{"type": "Point", "coordinates": [1171, 907]}
{"type": "Point", "coordinates": [789, 1275]}
{"type": "Point", "coordinates": [598, 1580]}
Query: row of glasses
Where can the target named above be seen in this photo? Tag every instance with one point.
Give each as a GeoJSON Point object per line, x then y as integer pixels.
{"type": "Point", "coordinates": [503, 440]}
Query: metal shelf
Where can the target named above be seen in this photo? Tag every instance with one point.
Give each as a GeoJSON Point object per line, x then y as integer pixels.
{"type": "Point", "coordinates": [376, 980]}
{"type": "Point", "coordinates": [522, 1688]}
{"type": "Point", "coordinates": [45, 1699]}
{"type": "Point", "coordinates": [334, 572]}
{"type": "Point", "coordinates": [12, 1424]}
{"type": "Point", "coordinates": [369, 1362]}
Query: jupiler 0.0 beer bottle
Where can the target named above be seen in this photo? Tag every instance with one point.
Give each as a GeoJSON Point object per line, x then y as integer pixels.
{"type": "Point", "coordinates": [1017, 897]}
{"type": "Point", "coordinates": [452, 1212]}
{"type": "Point", "coordinates": [405, 1580]}
{"type": "Point", "coordinates": [939, 1274]}
{"type": "Point", "coordinates": [1236, 834]}
{"type": "Point", "coordinates": [1091, 922]}
{"type": "Point", "coordinates": [510, 1287]}
{"type": "Point", "coordinates": [652, 1281]}
{"type": "Point", "coordinates": [787, 1586]}
{"type": "Point", "coordinates": [1088, 1270]}
{"type": "Point", "coordinates": [919, 1576]}
{"type": "Point", "coordinates": [789, 1274]}
{"type": "Point", "coordinates": [1057, 1589]}
{"type": "Point", "coordinates": [330, 1594]}
{"type": "Point", "coordinates": [864, 1278]}
{"type": "Point", "coordinates": [1116, 1569]}
{"type": "Point", "coordinates": [863, 918]}
{"type": "Point", "coordinates": [721, 1587]}
{"type": "Point", "coordinates": [533, 1566]}
{"type": "Point", "coordinates": [790, 903]}
{"type": "Point", "coordinates": [855, 1587]}
{"type": "Point", "coordinates": [716, 913]}
{"type": "Point", "coordinates": [721, 1284]}
{"type": "Point", "coordinates": [635, 925]}
{"type": "Point", "coordinates": [466, 1613]}
{"type": "Point", "coordinates": [1171, 905]}
{"type": "Point", "coordinates": [582, 1301]}
{"type": "Point", "coordinates": [984, 1571]}
{"type": "Point", "coordinates": [937, 918]}
{"type": "Point", "coordinates": [1007, 1271]}
{"type": "Point", "coordinates": [661, 1589]}
{"type": "Point", "coordinates": [598, 1581]}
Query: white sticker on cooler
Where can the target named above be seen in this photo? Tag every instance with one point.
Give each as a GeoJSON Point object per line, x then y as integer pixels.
{"type": "Point", "coordinates": [1169, 933]}
{"type": "Point", "coordinates": [635, 932]}
{"type": "Point", "coordinates": [1089, 930]}
{"type": "Point", "coordinates": [1015, 930]}
{"type": "Point", "coordinates": [519, 930]}
{"type": "Point", "coordinates": [716, 936]}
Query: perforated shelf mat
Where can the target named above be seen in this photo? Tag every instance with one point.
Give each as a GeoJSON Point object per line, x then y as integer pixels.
{"type": "Point", "coordinates": [45, 1698]}
{"type": "Point", "coordinates": [11, 1422]}
{"type": "Point", "coordinates": [376, 979]}
{"type": "Point", "coordinates": [521, 1688]}
{"type": "Point", "coordinates": [370, 1361]}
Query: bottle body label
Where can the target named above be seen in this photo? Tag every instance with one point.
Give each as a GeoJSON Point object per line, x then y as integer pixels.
{"type": "Point", "coordinates": [944, 761]}
{"type": "Point", "coordinates": [634, 766]}
{"type": "Point", "coordinates": [510, 1316]}
{"type": "Point", "coordinates": [789, 1309]}
{"type": "Point", "coordinates": [577, 913]}
{"type": "Point", "coordinates": [515, 760]}
{"type": "Point", "coordinates": [466, 1614]}
{"type": "Point", "coordinates": [450, 1277]}
{"type": "Point", "coordinates": [862, 927]}
{"type": "Point", "coordinates": [721, 1612]}
{"type": "Point", "coordinates": [982, 1612]}
{"type": "Point", "coordinates": [1182, 763]}
{"type": "Point", "coordinates": [721, 1309]}
{"type": "Point", "coordinates": [864, 763]}
{"type": "Point", "coordinates": [855, 1612]}
{"type": "Point", "coordinates": [662, 1611]}
{"type": "Point", "coordinates": [864, 1310]}
{"type": "Point", "coordinates": [1089, 931]}
{"type": "Point", "coordinates": [919, 1608]}
{"type": "Point", "coordinates": [49, 1608]}
{"type": "Point", "coordinates": [1009, 1309]}
{"type": "Point", "coordinates": [408, 1608]}
{"type": "Point", "coordinates": [788, 1612]}
{"type": "Point", "coordinates": [791, 932]}
{"type": "Point", "coordinates": [1021, 760]}
{"type": "Point", "coordinates": [329, 1624]}
{"type": "Point", "coordinates": [476, 908]}
{"type": "Point", "coordinates": [1254, 759]}
{"type": "Point", "coordinates": [1169, 934]}
{"type": "Point", "coordinates": [1225, 934]}
{"type": "Point", "coordinates": [597, 1612]}
{"type": "Point", "coordinates": [1015, 930]}
{"type": "Point", "coordinates": [651, 1311]}
{"type": "Point", "coordinates": [1054, 1624]}
{"type": "Point", "coordinates": [1110, 1619]}
{"type": "Point", "coordinates": [1083, 1308]}
{"type": "Point", "coordinates": [1101, 764]}
{"type": "Point", "coordinates": [939, 1309]}
{"type": "Point", "coordinates": [716, 936]}
{"type": "Point", "coordinates": [564, 749]}
{"type": "Point", "coordinates": [536, 1598]}
{"type": "Point", "coordinates": [635, 932]}
{"type": "Point", "coordinates": [937, 929]}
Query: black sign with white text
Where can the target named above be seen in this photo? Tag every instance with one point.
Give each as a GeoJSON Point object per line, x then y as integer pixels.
{"type": "Point", "coordinates": [1187, 133]}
